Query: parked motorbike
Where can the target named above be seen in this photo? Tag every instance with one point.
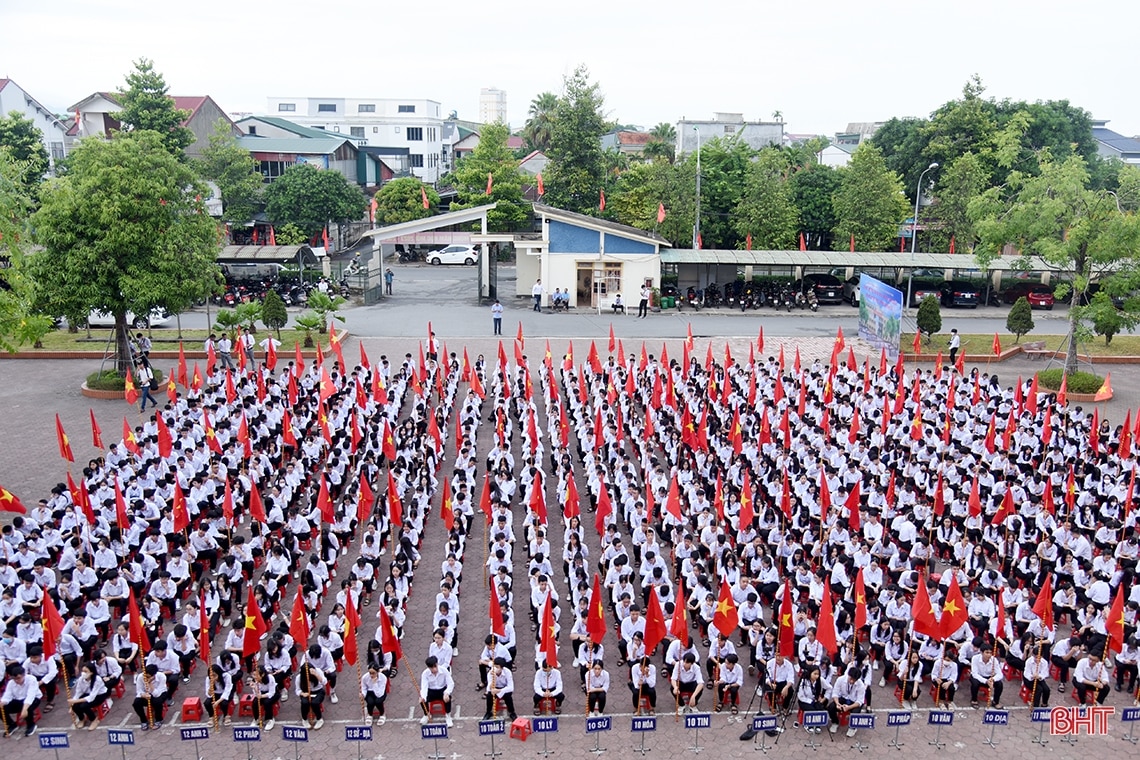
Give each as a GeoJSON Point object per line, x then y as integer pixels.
{"type": "Point", "coordinates": [694, 298]}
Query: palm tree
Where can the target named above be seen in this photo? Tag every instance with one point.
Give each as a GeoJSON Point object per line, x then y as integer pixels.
{"type": "Point", "coordinates": [662, 142]}
{"type": "Point", "coordinates": [541, 119]}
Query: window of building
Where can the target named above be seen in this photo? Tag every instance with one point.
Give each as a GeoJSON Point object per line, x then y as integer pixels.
{"type": "Point", "coordinates": [729, 129]}
{"type": "Point", "coordinates": [416, 160]}
{"type": "Point", "coordinates": [611, 280]}
{"type": "Point", "coordinates": [57, 151]}
{"type": "Point", "coordinates": [253, 130]}
{"type": "Point", "coordinates": [405, 109]}
{"type": "Point", "coordinates": [286, 106]}
{"type": "Point", "coordinates": [416, 134]}
{"type": "Point", "coordinates": [356, 131]}
{"type": "Point", "coordinates": [326, 107]}
{"type": "Point", "coordinates": [271, 170]}
{"type": "Point", "coordinates": [431, 134]}
{"type": "Point", "coordinates": [366, 108]}
{"type": "Point", "coordinates": [375, 130]}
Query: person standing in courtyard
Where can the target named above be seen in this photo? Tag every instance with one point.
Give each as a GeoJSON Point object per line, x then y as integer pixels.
{"type": "Point", "coordinates": [497, 316]}
{"type": "Point", "coordinates": [389, 275]}
{"type": "Point", "coordinates": [643, 304]}
{"type": "Point", "coordinates": [537, 292]}
{"type": "Point", "coordinates": [146, 383]}
{"type": "Point", "coordinates": [955, 344]}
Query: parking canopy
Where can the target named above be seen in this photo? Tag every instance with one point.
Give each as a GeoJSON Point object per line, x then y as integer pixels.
{"type": "Point", "coordinates": [856, 259]}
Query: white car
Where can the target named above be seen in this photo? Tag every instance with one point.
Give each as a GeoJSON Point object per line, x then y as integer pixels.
{"type": "Point", "coordinates": [454, 254]}
{"type": "Point", "coordinates": [158, 318]}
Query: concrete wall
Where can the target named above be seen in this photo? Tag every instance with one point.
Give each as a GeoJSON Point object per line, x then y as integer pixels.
{"type": "Point", "coordinates": [527, 270]}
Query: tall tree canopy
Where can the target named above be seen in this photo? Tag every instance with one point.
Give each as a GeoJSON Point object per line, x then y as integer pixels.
{"type": "Point", "coordinates": [766, 210]}
{"type": "Point", "coordinates": [1080, 232]}
{"type": "Point", "coordinates": [17, 290]}
{"type": "Point", "coordinates": [311, 198]}
{"type": "Point", "coordinates": [574, 176]}
{"type": "Point", "coordinates": [231, 167]}
{"type": "Point", "coordinates": [492, 157]}
{"type": "Point", "coordinates": [540, 120]}
{"type": "Point", "coordinates": [869, 204]}
{"type": "Point", "coordinates": [146, 105]}
{"type": "Point", "coordinates": [402, 200]}
{"type": "Point", "coordinates": [649, 186]}
{"type": "Point", "coordinates": [20, 138]}
{"type": "Point", "coordinates": [812, 189]}
{"type": "Point", "coordinates": [122, 230]}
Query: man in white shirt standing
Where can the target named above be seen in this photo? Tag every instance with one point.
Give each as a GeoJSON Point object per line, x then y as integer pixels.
{"type": "Point", "coordinates": [537, 292]}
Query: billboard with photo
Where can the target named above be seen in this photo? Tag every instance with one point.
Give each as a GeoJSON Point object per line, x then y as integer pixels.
{"type": "Point", "coordinates": [880, 314]}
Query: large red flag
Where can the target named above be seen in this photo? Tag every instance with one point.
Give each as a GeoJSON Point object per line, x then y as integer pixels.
{"type": "Point", "coordinates": [1043, 607]}
{"type": "Point", "coordinates": [299, 621]}
{"type": "Point", "coordinates": [256, 506]}
{"type": "Point", "coordinates": [9, 502]}
{"type": "Point", "coordinates": [135, 625]}
{"type": "Point", "coordinates": [596, 619]}
{"type": "Point", "coordinates": [604, 509]}
{"type": "Point", "coordinates": [53, 625]}
{"type": "Point", "coordinates": [255, 627]}
{"type": "Point", "coordinates": [389, 642]}
{"type": "Point", "coordinates": [165, 440]}
{"type": "Point", "coordinates": [366, 499]}
{"type": "Point", "coordinates": [96, 433]}
{"type": "Point", "coordinates": [1115, 623]}
{"type": "Point", "coordinates": [395, 506]}
{"type": "Point", "coordinates": [679, 625]}
{"type": "Point", "coordinates": [547, 642]}
{"type": "Point", "coordinates": [351, 626]}
{"type": "Point", "coordinates": [825, 631]}
{"type": "Point", "coordinates": [725, 619]}
{"type": "Point", "coordinates": [922, 612]}
{"type": "Point", "coordinates": [654, 621]}
{"type": "Point", "coordinates": [860, 601]}
{"type": "Point", "coordinates": [571, 509]}
{"type": "Point", "coordinates": [203, 631]}
{"type": "Point", "coordinates": [324, 502]}
{"type": "Point", "coordinates": [786, 641]}
{"type": "Point", "coordinates": [495, 612]}
{"type": "Point", "coordinates": [954, 613]}
{"type": "Point", "coordinates": [180, 512]}
{"type": "Point", "coordinates": [63, 440]}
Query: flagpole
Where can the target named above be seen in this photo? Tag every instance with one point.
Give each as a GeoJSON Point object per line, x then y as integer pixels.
{"type": "Point", "coordinates": [213, 704]}
{"type": "Point", "coordinates": [412, 675]}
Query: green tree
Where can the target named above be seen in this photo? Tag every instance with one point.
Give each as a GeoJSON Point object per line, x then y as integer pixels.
{"type": "Point", "coordinates": [273, 313]}
{"type": "Point", "coordinates": [639, 192]}
{"type": "Point", "coordinates": [326, 307]}
{"type": "Point", "coordinates": [123, 230]}
{"type": "Point", "coordinates": [575, 174]}
{"type": "Point", "coordinates": [290, 234]}
{"type": "Point", "coordinates": [870, 203]}
{"type": "Point", "coordinates": [1077, 231]}
{"type": "Point", "coordinates": [724, 169]}
{"type": "Point", "coordinates": [310, 322]}
{"type": "Point", "coordinates": [18, 325]}
{"type": "Point", "coordinates": [766, 210]}
{"type": "Point", "coordinates": [662, 142]}
{"type": "Point", "coordinates": [903, 144]}
{"type": "Point", "coordinates": [231, 167]}
{"type": "Point", "coordinates": [929, 317]}
{"type": "Point", "coordinates": [402, 200]}
{"type": "Point", "coordinates": [812, 189]}
{"type": "Point", "coordinates": [540, 120]}
{"type": "Point", "coordinates": [1106, 319]}
{"type": "Point", "coordinates": [312, 198]}
{"type": "Point", "coordinates": [20, 138]}
{"type": "Point", "coordinates": [146, 105]}
{"type": "Point", "coordinates": [1128, 188]}
{"type": "Point", "coordinates": [492, 157]}
{"type": "Point", "coordinates": [1019, 321]}
{"type": "Point", "coordinates": [959, 184]}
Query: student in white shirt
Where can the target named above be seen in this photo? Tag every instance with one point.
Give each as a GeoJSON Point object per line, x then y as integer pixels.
{"type": "Point", "coordinates": [1091, 673]}
{"type": "Point", "coordinates": [20, 699]}
{"type": "Point", "coordinates": [500, 687]}
{"type": "Point", "coordinates": [374, 689]}
{"type": "Point", "coordinates": [548, 685]}
{"type": "Point", "coordinates": [436, 685]}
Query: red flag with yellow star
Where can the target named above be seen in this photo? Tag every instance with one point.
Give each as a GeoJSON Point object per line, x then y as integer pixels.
{"type": "Point", "coordinates": [9, 502]}
{"type": "Point", "coordinates": [445, 510]}
{"type": "Point", "coordinates": [135, 629]}
{"type": "Point", "coordinates": [64, 442]}
{"type": "Point", "coordinates": [571, 508]}
{"type": "Point", "coordinates": [654, 621]}
{"type": "Point", "coordinates": [96, 433]}
{"type": "Point", "coordinates": [495, 613]}
{"type": "Point", "coordinates": [1115, 622]}
{"type": "Point", "coordinates": [825, 630]}
{"type": "Point", "coordinates": [180, 513]}
{"type": "Point", "coordinates": [53, 624]}
{"type": "Point", "coordinates": [299, 621]}
{"type": "Point", "coordinates": [129, 439]}
{"type": "Point", "coordinates": [255, 627]}
{"type": "Point", "coordinates": [547, 642]}
{"type": "Point", "coordinates": [351, 626]}
{"type": "Point", "coordinates": [596, 619]}
{"type": "Point", "coordinates": [860, 601]}
{"type": "Point", "coordinates": [725, 619]}
{"type": "Point", "coordinates": [954, 612]}
{"type": "Point", "coordinates": [389, 642]}
{"type": "Point", "coordinates": [395, 506]}
{"type": "Point", "coordinates": [131, 392]}
{"type": "Point", "coordinates": [786, 640]}
{"type": "Point", "coordinates": [922, 612]}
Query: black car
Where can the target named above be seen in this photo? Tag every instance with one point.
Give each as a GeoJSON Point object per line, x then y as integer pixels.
{"type": "Point", "coordinates": [828, 289]}
{"type": "Point", "coordinates": [959, 293]}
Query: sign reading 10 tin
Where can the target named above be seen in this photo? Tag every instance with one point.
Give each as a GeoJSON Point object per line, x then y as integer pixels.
{"type": "Point", "coordinates": [698, 720]}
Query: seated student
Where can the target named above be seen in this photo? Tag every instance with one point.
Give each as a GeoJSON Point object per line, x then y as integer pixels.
{"type": "Point", "coordinates": [597, 687]}
{"type": "Point", "coordinates": [86, 696]}
{"type": "Point", "coordinates": [781, 679]}
{"type": "Point", "coordinates": [548, 685]}
{"type": "Point", "coordinates": [643, 683]}
{"type": "Point", "coordinates": [20, 700]}
{"type": "Point", "coordinates": [311, 684]}
{"type": "Point", "coordinates": [847, 696]}
{"type": "Point", "coordinates": [500, 686]}
{"type": "Point", "coordinates": [687, 682]}
{"type": "Point", "coordinates": [1035, 676]}
{"type": "Point", "coordinates": [219, 693]}
{"type": "Point", "coordinates": [618, 306]}
{"type": "Point", "coordinates": [944, 676]}
{"type": "Point", "coordinates": [374, 689]}
{"type": "Point", "coordinates": [985, 670]}
{"type": "Point", "coordinates": [265, 692]}
{"type": "Point", "coordinates": [729, 683]}
{"type": "Point", "coordinates": [45, 671]}
{"type": "Point", "coordinates": [1091, 673]}
{"type": "Point", "coordinates": [150, 695]}
{"type": "Point", "coordinates": [436, 685]}
{"type": "Point", "coordinates": [812, 693]}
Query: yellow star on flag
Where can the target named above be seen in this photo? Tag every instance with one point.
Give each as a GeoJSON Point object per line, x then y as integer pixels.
{"type": "Point", "coordinates": [950, 608]}
{"type": "Point", "coordinates": [722, 607]}
{"type": "Point", "coordinates": [786, 620]}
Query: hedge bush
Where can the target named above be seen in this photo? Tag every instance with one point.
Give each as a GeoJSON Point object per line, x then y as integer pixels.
{"type": "Point", "coordinates": [1079, 382]}
{"type": "Point", "coordinates": [109, 380]}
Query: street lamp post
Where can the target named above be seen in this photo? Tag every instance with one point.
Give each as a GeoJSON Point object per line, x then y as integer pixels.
{"type": "Point", "coordinates": [914, 230]}
{"type": "Point", "coordinates": [697, 224]}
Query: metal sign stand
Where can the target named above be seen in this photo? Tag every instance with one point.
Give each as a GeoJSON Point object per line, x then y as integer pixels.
{"type": "Point", "coordinates": [1040, 716]}
{"type": "Point", "coordinates": [436, 755]}
{"type": "Point", "coordinates": [938, 719]}
{"type": "Point", "coordinates": [492, 728]}
{"type": "Point", "coordinates": [641, 746]}
{"type": "Point", "coordinates": [598, 748]}
{"type": "Point", "coordinates": [865, 722]}
{"type": "Point", "coordinates": [696, 749]}
{"type": "Point", "coordinates": [816, 719]}
{"type": "Point", "coordinates": [434, 732]}
{"type": "Point", "coordinates": [895, 743]}
{"type": "Point", "coordinates": [1130, 715]}
{"type": "Point", "coordinates": [544, 726]}
{"type": "Point", "coordinates": [595, 726]}
{"type": "Point", "coordinates": [990, 741]}
{"type": "Point", "coordinates": [194, 734]}
{"type": "Point", "coordinates": [643, 725]}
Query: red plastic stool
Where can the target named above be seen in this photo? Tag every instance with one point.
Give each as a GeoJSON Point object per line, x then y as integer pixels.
{"type": "Point", "coordinates": [437, 709]}
{"type": "Point", "coordinates": [120, 689]}
{"type": "Point", "coordinates": [520, 729]}
{"type": "Point", "coordinates": [547, 705]}
{"type": "Point", "coordinates": [104, 708]}
{"type": "Point", "coordinates": [245, 706]}
{"type": "Point", "coordinates": [191, 709]}
{"type": "Point", "coordinates": [644, 704]}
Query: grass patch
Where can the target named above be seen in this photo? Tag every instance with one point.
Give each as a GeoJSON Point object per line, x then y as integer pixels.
{"type": "Point", "coordinates": [1122, 345]}
{"type": "Point", "coordinates": [109, 380]}
{"type": "Point", "coordinates": [161, 340]}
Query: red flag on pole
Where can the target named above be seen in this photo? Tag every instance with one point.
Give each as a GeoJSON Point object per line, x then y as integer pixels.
{"type": "Point", "coordinates": [803, 243]}
{"type": "Point", "coordinates": [389, 642]}
{"type": "Point", "coordinates": [135, 629]}
{"type": "Point", "coordinates": [255, 627]}
{"type": "Point", "coordinates": [787, 627]}
{"type": "Point", "coordinates": [96, 433]}
{"type": "Point", "coordinates": [351, 625]}
{"type": "Point", "coordinates": [64, 442]}
{"type": "Point", "coordinates": [725, 619]}
{"type": "Point", "coordinates": [596, 619]}
{"type": "Point", "coordinates": [541, 186]}
{"type": "Point", "coordinates": [53, 624]}
{"type": "Point", "coordinates": [922, 612]}
{"type": "Point", "coordinates": [299, 621]}
{"type": "Point", "coordinates": [601, 200]}
{"type": "Point", "coordinates": [490, 182]}
{"type": "Point", "coordinates": [660, 212]}
{"type": "Point", "coordinates": [825, 631]}
{"type": "Point", "coordinates": [654, 621]}
{"type": "Point", "coordinates": [496, 613]}
{"type": "Point", "coordinates": [547, 642]}
{"type": "Point", "coordinates": [424, 198]}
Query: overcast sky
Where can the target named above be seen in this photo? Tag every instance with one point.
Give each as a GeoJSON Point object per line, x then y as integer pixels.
{"type": "Point", "coordinates": [822, 64]}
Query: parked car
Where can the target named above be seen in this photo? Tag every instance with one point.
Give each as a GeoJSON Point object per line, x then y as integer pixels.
{"type": "Point", "coordinates": [921, 290]}
{"type": "Point", "coordinates": [828, 288]}
{"type": "Point", "coordinates": [851, 290]}
{"type": "Point", "coordinates": [959, 293]}
{"type": "Point", "coordinates": [158, 318]}
{"type": "Point", "coordinates": [1039, 296]}
{"type": "Point", "coordinates": [454, 254]}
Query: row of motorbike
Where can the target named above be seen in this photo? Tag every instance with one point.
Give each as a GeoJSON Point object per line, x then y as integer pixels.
{"type": "Point", "coordinates": [745, 296]}
{"type": "Point", "coordinates": [292, 291]}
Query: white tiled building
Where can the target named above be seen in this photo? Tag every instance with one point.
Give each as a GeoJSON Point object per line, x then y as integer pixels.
{"type": "Point", "coordinates": [492, 105]}
{"type": "Point", "coordinates": [416, 125]}
{"type": "Point", "coordinates": [15, 98]}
